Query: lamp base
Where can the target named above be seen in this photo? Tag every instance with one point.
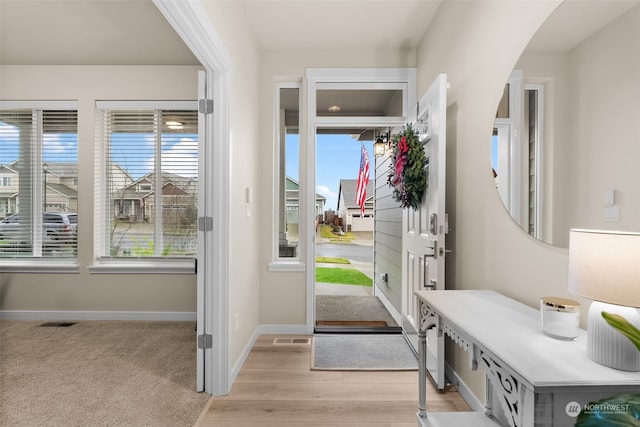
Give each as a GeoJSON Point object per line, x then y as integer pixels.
{"type": "Point", "coordinates": [605, 344]}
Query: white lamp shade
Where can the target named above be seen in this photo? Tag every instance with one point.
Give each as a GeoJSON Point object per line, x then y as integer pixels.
{"type": "Point", "coordinates": [605, 266]}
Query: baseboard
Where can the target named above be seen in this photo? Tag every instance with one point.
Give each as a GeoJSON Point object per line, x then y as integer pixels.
{"type": "Point", "coordinates": [282, 330]}
{"type": "Point", "coordinates": [177, 316]}
{"type": "Point", "coordinates": [264, 330]}
{"type": "Point", "coordinates": [466, 393]}
{"type": "Point", "coordinates": [235, 371]}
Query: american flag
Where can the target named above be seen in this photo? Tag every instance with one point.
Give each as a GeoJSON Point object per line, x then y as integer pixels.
{"type": "Point", "coordinates": [363, 179]}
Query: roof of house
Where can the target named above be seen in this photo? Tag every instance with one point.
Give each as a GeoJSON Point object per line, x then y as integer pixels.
{"type": "Point", "coordinates": [348, 193]}
{"type": "Point", "coordinates": [293, 186]}
{"type": "Point", "coordinates": [65, 190]}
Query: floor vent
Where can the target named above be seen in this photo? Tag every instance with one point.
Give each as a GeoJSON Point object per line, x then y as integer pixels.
{"type": "Point", "coordinates": [292, 341]}
{"type": "Point", "coordinates": [59, 324]}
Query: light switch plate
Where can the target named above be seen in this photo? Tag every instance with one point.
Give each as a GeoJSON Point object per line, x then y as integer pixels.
{"type": "Point", "coordinates": [609, 198]}
{"type": "Point", "coordinates": [612, 214]}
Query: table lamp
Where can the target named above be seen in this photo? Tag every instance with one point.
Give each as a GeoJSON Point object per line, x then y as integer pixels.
{"type": "Point", "coordinates": [604, 266]}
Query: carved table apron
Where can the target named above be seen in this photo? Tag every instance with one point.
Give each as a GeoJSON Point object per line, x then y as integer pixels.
{"type": "Point", "coordinates": [536, 380]}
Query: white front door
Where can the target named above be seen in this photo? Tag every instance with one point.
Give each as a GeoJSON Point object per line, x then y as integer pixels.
{"type": "Point", "coordinates": [424, 229]}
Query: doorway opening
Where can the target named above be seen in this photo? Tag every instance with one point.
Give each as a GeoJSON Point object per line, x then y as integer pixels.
{"type": "Point", "coordinates": [352, 106]}
{"type": "Point", "coordinates": [346, 299]}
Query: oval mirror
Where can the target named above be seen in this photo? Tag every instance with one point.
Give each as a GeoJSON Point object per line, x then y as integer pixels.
{"type": "Point", "coordinates": [566, 143]}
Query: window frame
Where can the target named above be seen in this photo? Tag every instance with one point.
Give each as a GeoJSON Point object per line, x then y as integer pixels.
{"type": "Point", "coordinates": [130, 265]}
{"type": "Point", "coordinates": [280, 263]}
{"type": "Point", "coordinates": [38, 263]}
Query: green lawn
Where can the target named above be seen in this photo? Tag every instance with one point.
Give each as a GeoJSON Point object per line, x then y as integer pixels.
{"type": "Point", "coordinates": [326, 232]}
{"type": "Point", "coordinates": [344, 276]}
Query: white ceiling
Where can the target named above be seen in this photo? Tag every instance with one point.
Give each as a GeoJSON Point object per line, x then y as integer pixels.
{"type": "Point", "coordinates": [115, 32]}
{"type": "Point", "coordinates": [88, 32]}
{"type": "Point", "coordinates": [134, 32]}
{"type": "Point", "coordinates": [339, 24]}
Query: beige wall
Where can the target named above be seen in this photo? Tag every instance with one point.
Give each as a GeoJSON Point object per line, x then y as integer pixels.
{"type": "Point", "coordinates": [604, 132]}
{"type": "Point", "coordinates": [84, 291]}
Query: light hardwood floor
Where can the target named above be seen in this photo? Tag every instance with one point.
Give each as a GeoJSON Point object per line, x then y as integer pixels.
{"type": "Point", "coordinates": [276, 387]}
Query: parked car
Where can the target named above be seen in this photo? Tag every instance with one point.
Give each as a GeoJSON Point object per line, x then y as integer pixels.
{"type": "Point", "coordinates": [59, 230]}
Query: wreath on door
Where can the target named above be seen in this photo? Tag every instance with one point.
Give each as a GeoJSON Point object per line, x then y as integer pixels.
{"type": "Point", "coordinates": [407, 171]}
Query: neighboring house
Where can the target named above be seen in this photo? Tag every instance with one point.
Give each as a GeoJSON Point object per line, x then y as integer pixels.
{"type": "Point", "coordinates": [136, 201]}
{"type": "Point", "coordinates": [8, 190]}
{"type": "Point", "coordinates": [349, 211]}
{"type": "Point", "coordinates": [131, 200]}
{"type": "Point", "coordinates": [60, 182]}
{"type": "Point", "coordinates": [61, 189]}
{"type": "Point", "coordinates": [292, 188]}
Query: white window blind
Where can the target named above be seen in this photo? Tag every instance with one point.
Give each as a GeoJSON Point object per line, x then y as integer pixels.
{"type": "Point", "coordinates": [150, 187]}
{"type": "Point", "coordinates": [38, 180]}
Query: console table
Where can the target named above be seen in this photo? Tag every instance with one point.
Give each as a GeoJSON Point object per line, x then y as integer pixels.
{"type": "Point", "coordinates": [532, 379]}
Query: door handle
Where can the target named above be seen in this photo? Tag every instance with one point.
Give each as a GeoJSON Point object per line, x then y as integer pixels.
{"type": "Point", "coordinates": [431, 285]}
{"type": "Point", "coordinates": [434, 254]}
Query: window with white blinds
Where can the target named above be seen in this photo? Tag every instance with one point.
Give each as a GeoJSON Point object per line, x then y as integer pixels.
{"type": "Point", "coordinates": [38, 179]}
{"type": "Point", "coordinates": [149, 186]}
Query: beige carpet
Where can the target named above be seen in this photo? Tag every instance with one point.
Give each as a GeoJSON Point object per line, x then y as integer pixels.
{"type": "Point", "coordinates": [94, 373]}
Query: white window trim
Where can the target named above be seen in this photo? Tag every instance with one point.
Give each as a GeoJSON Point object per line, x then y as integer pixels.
{"type": "Point", "coordinates": [279, 263]}
{"type": "Point", "coordinates": [39, 264]}
{"type": "Point", "coordinates": [143, 265]}
{"type": "Point", "coordinates": [39, 105]}
{"type": "Point", "coordinates": [539, 167]}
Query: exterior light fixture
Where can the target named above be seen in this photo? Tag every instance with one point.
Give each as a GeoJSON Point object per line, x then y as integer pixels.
{"type": "Point", "coordinates": [379, 147]}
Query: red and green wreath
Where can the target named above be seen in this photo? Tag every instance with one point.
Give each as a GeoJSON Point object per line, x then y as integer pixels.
{"type": "Point", "coordinates": [407, 171]}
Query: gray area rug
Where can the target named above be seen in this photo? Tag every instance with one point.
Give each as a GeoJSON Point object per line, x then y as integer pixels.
{"type": "Point", "coordinates": [99, 374]}
{"type": "Point", "coordinates": [367, 352]}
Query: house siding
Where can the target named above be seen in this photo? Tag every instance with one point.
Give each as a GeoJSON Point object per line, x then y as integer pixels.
{"type": "Point", "coordinates": [388, 242]}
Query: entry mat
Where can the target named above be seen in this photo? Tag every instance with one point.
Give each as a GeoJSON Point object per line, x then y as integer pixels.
{"type": "Point", "coordinates": [368, 352]}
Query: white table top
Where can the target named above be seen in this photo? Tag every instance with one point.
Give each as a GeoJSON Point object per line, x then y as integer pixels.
{"type": "Point", "coordinates": [512, 332]}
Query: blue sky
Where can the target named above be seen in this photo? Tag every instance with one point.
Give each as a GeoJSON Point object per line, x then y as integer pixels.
{"type": "Point", "coordinates": [337, 157]}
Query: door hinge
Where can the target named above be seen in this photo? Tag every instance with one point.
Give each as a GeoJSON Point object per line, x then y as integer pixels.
{"type": "Point", "coordinates": [205, 341]}
{"type": "Point", "coordinates": [205, 223]}
{"type": "Point", "coordinates": [205, 106]}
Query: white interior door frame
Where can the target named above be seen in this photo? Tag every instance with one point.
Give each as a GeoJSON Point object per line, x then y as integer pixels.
{"type": "Point", "coordinates": [340, 78]}
{"type": "Point", "coordinates": [189, 20]}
